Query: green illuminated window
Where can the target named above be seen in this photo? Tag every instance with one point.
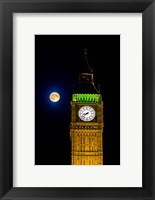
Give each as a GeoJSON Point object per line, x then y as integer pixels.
{"type": "Point", "coordinates": [87, 97]}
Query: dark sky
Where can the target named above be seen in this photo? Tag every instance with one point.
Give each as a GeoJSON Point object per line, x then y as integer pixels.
{"type": "Point", "coordinates": [58, 59]}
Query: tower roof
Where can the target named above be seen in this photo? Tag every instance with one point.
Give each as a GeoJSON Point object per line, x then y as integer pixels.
{"type": "Point", "coordinates": [86, 88]}
{"type": "Point", "coordinates": [86, 81]}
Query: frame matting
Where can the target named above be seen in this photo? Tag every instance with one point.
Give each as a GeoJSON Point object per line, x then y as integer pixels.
{"type": "Point", "coordinates": [7, 8]}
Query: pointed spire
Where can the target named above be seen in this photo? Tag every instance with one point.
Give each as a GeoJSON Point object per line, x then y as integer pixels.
{"type": "Point", "coordinates": [85, 54]}
{"type": "Point", "coordinates": [86, 67]}
{"type": "Point", "coordinates": [86, 81]}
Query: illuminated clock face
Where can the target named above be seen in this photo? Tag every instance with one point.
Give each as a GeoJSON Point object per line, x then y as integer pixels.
{"type": "Point", "coordinates": [86, 113]}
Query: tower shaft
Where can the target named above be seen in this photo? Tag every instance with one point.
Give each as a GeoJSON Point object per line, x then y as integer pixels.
{"type": "Point", "coordinates": [86, 128]}
{"type": "Point", "coordinates": [87, 148]}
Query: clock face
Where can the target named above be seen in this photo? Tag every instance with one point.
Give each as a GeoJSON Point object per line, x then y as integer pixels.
{"type": "Point", "coordinates": [86, 113]}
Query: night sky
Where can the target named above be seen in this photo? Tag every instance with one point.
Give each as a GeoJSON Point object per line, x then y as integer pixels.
{"type": "Point", "coordinates": [58, 60]}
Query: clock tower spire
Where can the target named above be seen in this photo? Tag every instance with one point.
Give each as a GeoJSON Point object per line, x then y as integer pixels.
{"type": "Point", "coordinates": [86, 67]}
{"type": "Point", "coordinates": [86, 78]}
{"type": "Point", "coordinates": [86, 127]}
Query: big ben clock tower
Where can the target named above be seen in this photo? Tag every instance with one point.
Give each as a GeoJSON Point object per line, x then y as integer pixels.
{"type": "Point", "coordinates": [86, 128]}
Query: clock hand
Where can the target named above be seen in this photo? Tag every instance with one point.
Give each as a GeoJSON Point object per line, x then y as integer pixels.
{"type": "Point", "coordinates": [84, 114]}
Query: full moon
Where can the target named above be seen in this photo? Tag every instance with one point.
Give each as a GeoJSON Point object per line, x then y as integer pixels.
{"type": "Point", "coordinates": [54, 96]}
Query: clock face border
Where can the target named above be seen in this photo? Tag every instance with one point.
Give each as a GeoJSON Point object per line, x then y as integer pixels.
{"type": "Point", "coordinates": [82, 105]}
{"type": "Point", "coordinates": [83, 115]}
